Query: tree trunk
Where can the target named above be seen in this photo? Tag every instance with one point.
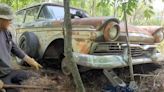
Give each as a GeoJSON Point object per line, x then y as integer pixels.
{"type": "Point", "coordinates": [17, 2]}
{"type": "Point", "coordinates": [68, 49]}
{"type": "Point", "coordinates": [93, 7]}
{"type": "Point", "coordinates": [115, 8]}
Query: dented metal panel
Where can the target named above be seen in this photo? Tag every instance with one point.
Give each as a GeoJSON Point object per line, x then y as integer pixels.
{"type": "Point", "coordinates": [111, 61]}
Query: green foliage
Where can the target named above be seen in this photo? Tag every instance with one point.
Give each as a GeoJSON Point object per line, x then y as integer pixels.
{"type": "Point", "coordinates": [144, 21]}
{"type": "Point", "coordinates": [105, 6]}
{"type": "Point", "coordinates": [136, 9]}
{"type": "Point", "coordinates": [132, 5]}
{"type": "Point", "coordinates": [148, 13]}
{"type": "Point", "coordinates": [18, 4]}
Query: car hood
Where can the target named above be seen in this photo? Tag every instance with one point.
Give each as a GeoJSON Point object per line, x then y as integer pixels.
{"type": "Point", "coordinates": [136, 34]}
{"type": "Point", "coordinates": [134, 29]}
{"type": "Point", "coordinates": [96, 22]}
{"type": "Point", "coordinates": [141, 34]}
{"type": "Point", "coordinates": [92, 21]}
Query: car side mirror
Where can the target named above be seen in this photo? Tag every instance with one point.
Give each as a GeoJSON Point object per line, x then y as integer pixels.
{"type": "Point", "coordinates": [80, 14]}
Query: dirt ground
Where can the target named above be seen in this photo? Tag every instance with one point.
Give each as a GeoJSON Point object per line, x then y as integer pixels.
{"type": "Point", "coordinates": [93, 81]}
{"type": "Point", "coordinates": [153, 81]}
{"type": "Point", "coordinates": [149, 77]}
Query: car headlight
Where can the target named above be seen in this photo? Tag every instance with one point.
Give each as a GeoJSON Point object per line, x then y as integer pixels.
{"type": "Point", "coordinates": [111, 31]}
{"type": "Point", "coordinates": [158, 35]}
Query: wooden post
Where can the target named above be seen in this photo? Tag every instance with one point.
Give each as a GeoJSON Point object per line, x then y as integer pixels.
{"type": "Point", "coordinates": [68, 49]}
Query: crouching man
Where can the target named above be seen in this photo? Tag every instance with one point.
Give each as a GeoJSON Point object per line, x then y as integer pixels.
{"type": "Point", "coordinates": [7, 47]}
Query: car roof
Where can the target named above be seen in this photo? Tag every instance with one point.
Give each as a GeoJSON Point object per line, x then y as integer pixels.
{"type": "Point", "coordinates": [47, 3]}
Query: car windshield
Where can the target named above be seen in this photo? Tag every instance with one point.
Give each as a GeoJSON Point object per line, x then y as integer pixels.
{"type": "Point", "coordinates": [57, 12]}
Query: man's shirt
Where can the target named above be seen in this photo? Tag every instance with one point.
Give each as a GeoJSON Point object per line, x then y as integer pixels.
{"type": "Point", "coordinates": [8, 47]}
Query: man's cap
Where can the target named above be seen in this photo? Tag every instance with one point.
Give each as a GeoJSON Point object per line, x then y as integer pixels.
{"type": "Point", "coordinates": [6, 12]}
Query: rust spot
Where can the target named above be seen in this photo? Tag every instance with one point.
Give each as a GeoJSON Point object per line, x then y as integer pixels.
{"type": "Point", "coordinates": [93, 35]}
{"type": "Point", "coordinates": [83, 21]}
{"type": "Point", "coordinates": [107, 28]}
{"type": "Point", "coordinates": [106, 31]}
{"type": "Point", "coordinates": [83, 46]}
{"type": "Point", "coordinates": [149, 30]}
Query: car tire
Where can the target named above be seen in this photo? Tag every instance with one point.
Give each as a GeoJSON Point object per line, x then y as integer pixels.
{"type": "Point", "coordinates": [29, 43]}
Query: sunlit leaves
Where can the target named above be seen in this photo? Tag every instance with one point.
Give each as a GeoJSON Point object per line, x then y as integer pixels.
{"type": "Point", "coordinates": [148, 13]}
{"type": "Point", "coordinates": [18, 4]}
{"type": "Point", "coordinates": [132, 5]}
{"type": "Point", "coordinates": [96, 7]}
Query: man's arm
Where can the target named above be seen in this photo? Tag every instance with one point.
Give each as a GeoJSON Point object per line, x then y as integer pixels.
{"type": "Point", "coordinates": [22, 55]}
{"type": "Point", "coordinates": [17, 51]}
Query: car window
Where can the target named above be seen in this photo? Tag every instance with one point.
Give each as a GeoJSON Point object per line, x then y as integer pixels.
{"type": "Point", "coordinates": [45, 14]}
{"type": "Point", "coordinates": [31, 14]}
{"type": "Point", "coordinates": [54, 12]}
{"type": "Point", "coordinates": [51, 12]}
{"type": "Point", "coordinates": [20, 17]}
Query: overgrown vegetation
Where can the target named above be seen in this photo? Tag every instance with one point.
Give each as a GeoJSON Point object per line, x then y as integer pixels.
{"type": "Point", "coordinates": [140, 12]}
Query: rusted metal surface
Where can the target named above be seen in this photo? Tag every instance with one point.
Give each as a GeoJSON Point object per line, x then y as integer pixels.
{"type": "Point", "coordinates": [109, 27]}
{"type": "Point", "coordinates": [139, 38]}
{"type": "Point", "coordinates": [156, 31]}
{"type": "Point", "coordinates": [94, 21]}
{"type": "Point", "coordinates": [89, 43]}
{"type": "Point", "coordinates": [134, 29]}
{"type": "Point", "coordinates": [140, 33]}
{"type": "Point", "coordinates": [150, 29]}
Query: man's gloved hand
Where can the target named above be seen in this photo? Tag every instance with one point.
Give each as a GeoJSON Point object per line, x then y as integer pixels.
{"type": "Point", "coordinates": [32, 62]}
{"type": "Point", "coordinates": [1, 84]}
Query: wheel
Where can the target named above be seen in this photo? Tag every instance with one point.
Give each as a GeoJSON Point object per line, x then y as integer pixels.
{"type": "Point", "coordinates": [29, 43]}
{"type": "Point", "coordinates": [54, 54]}
{"type": "Point", "coordinates": [64, 67]}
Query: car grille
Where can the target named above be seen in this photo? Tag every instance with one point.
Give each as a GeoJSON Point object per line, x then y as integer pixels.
{"type": "Point", "coordinates": [118, 49]}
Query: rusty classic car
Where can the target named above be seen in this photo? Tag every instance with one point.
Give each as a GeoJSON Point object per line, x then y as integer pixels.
{"type": "Point", "coordinates": [97, 42]}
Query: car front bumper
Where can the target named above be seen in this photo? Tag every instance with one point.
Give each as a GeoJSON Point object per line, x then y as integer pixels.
{"type": "Point", "coordinates": [112, 61]}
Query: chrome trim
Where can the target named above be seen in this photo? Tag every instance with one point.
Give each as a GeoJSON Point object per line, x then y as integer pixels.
{"type": "Point", "coordinates": [112, 61]}
{"type": "Point", "coordinates": [137, 50]}
{"type": "Point", "coordinates": [144, 47]}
